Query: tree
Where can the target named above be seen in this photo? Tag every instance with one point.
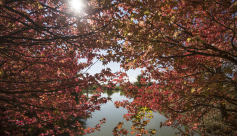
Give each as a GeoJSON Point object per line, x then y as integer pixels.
{"type": "Point", "coordinates": [138, 82]}
{"type": "Point", "coordinates": [189, 48]}
{"type": "Point", "coordinates": [41, 76]}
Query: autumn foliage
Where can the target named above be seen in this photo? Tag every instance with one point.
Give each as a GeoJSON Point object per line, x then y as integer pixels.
{"type": "Point", "coordinates": [188, 47]}
{"type": "Point", "coordinates": [41, 76]}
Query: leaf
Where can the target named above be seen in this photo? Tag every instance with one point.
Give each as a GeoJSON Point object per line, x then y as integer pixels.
{"type": "Point", "coordinates": [147, 12]}
{"type": "Point", "coordinates": [134, 61]}
{"type": "Point", "coordinates": [120, 125]}
{"type": "Point", "coordinates": [193, 90]}
{"type": "Point", "coordinates": [1, 72]}
{"type": "Point", "coordinates": [126, 33]}
{"type": "Point", "coordinates": [189, 39]}
{"type": "Point", "coordinates": [175, 34]}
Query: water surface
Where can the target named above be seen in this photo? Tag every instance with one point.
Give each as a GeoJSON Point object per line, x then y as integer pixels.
{"type": "Point", "coordinates": [114, 115]}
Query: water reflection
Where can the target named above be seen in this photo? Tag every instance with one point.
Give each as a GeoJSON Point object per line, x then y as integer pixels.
{"type": "Point", "coordinates": [70, 124]}
{"type": "Point", "coordinates": [109, 92]}
{"type": "Point", "coordinates": [114, 116]}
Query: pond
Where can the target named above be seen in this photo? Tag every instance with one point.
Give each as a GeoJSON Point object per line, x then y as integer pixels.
{"type": "Point", "coordinates": [114, 115]}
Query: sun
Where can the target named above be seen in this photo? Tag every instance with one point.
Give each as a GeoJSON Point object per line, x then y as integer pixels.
{"type": "Point", "coordinates": [77, 5]}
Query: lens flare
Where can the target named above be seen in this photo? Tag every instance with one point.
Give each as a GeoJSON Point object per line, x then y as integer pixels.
{"type": "Point", "coordinates": [77, 5]}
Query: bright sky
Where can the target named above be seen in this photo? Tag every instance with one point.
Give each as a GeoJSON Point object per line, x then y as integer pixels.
{"type": "Point", "coordinates": [77, 5]}
{"type": "Point", "coordinates": [114, 66]}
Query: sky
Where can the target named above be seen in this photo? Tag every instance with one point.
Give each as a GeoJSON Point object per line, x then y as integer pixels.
{"type": "Point", "coordinates": [115, 67]}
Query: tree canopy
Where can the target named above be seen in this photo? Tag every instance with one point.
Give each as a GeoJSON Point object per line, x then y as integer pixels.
{"type": "Point", "coordinates": [41, 76]}
{"type": "Point", "coordinates": [188, 47]}
{"type": "Point", "coordinates": [139, 80]}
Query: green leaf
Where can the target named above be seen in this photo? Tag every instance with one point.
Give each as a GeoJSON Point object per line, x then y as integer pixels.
{"type": "Point", "coordinates": [189, 39]}
{"type": "Point", "coordinates": [193, 90]}
{"type": "Point", "coordinates": [147, 12]}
